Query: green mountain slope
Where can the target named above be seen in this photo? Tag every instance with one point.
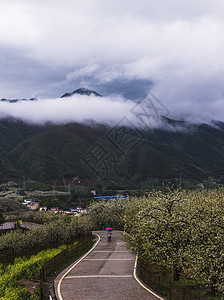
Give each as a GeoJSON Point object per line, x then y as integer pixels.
{"type": "Point", "coordinates": [111, 155]}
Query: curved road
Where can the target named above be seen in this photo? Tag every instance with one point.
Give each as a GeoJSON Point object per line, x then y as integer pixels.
{"type": "Point", "coordinates": [106, 273]}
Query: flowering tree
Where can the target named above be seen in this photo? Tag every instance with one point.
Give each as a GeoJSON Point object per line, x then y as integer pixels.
{"type": "Point", "coordinates": [162, 231]}
{"type": "Point", "coordinates": [206, 251]}
{"type": "Point", "coordinates": [60, 230]}
{"type": "Point", "coordinates": [108, 213]}
{"type": "Point", "coordinates": [182, 230]}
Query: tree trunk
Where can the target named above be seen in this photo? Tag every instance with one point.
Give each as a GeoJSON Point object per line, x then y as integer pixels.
{"type": "Point", "coordinates": [176, 272]}
{"type": "Point", "coordinates": [214, 286]}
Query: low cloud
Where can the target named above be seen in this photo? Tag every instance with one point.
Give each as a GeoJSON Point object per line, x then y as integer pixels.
{"type": "Point", "coordinates": [116, 110]}
{"type": "Point", "coordinates": [87, 109]}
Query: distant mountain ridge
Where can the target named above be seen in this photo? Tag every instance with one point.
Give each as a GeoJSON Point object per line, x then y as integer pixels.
{"type": "Point", "coordinates": [17, 100]}
{"type": "Point", "coordinates": [82, 91]}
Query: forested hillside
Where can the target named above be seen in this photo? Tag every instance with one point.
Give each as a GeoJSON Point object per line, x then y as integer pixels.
{"type": "Point", "coordinates": [112, 155]}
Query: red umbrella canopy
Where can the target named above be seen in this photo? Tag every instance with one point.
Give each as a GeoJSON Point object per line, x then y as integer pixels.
{"type": "Point", "coordinates": [108, 228]}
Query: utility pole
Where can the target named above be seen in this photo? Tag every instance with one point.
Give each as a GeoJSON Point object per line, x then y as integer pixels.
{"type": "Point", "coordinates": [69, 188]}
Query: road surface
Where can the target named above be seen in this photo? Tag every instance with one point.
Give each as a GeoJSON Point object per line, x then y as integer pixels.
{"type": "Point", "coordinates": [11, 225]}
{"type": "Point", "coordinates": [106, 273]}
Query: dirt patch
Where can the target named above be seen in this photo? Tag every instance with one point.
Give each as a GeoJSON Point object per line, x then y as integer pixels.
{"type": "Point", "coordinates": [30, 285]}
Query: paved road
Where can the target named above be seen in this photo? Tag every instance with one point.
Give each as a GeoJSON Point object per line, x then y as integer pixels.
{"type": "Point", "coordinates": [11, 225]}
{"type": "Point", "coordinates": [104, 274]}
{"type": "Point", "coordinates": [7, 225]}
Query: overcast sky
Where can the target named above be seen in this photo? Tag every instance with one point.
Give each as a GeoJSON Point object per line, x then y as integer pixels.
{"type": "Point", "coordinates": [123, 47]}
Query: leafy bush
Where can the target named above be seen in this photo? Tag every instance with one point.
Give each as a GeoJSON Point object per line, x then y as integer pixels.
{"type": "Point", "coordinates": [16, 293]}
{"type": "Point", "coordinates": [108, 213]}
{"type": "Point", "coordinates": [23, 267]}
{"type": "Point", "coordinates": [61, 230]}
{"type": "Point", "coordinates": [182, 230]}
{"type": "Point", "coordinates": [8, 206]}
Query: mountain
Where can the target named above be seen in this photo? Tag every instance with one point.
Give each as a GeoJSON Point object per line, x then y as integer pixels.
{"type": "Point", "coordinates": [177, 151]}
{"type": "Point", "coordinates": [82, 91]}
{"type": "Point", "coordinates": [16, 100]}
{"type": "Point", "coordinates": [120, 156]}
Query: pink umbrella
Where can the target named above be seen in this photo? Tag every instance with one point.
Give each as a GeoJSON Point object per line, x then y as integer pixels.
{"type": "Point", "coordinates": [108, 228]}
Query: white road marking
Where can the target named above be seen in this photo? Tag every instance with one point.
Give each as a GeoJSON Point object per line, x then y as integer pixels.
{"type": "Point", "coordinates": [109, 251]}
{"type": "Point", "coordinates": [75, 264]}
{"type": "Point", "coordinates": [109, 259]}
{"type": "Point", "coordinates": [145, 287]}
{"type": "Point", "coordinates": [99, 276]}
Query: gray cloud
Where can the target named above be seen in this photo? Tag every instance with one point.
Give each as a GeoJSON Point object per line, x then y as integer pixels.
{"type": "Point", "coordinates": [122, 47]}
{"type": "Point", "coordinates": [23, 77]}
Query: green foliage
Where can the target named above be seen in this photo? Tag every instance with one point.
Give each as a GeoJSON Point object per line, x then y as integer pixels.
{"type": "Point", "coordinates": [16, 293]}
{"type": "Point", "coordinates": [108, 213]}
{"type": "Point", "coordinates": [56, 231]}
{"type": "Point", "coordinates": [36, 295]}
{"type": "Point", "coordinates": [207, 238]}
{"type": "Point", "coordinates": [26, 216]}
{"type": "Point", "coordinates": [10, 206]}
{"type": "Point", "coordinates": [28, 268]}
{"type": "Point", "coordinates": [34, 185]}
{"type": "Point", "coordinates": [182, 230]}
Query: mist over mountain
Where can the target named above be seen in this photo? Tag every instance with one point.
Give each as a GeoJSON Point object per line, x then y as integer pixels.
{"type": "Point", "coordinates": [86, 106]}
{"type": "Point", "coordinates": [108, 140]}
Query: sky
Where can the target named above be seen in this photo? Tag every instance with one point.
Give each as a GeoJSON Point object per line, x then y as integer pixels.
{"type": "Point", "coordinates": [122, 49]}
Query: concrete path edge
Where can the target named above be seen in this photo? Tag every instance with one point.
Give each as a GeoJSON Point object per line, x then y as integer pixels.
{"type": "Point", "coordinates": [57, 282]}
{"type": "Point", "coordinates": [141, 282]}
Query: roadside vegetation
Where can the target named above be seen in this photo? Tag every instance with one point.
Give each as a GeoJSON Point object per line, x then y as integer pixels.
{"type": "Point", "coordinates": [108, 213]}
{"type": "Point", "coordinates": [10, 206]}
{"type": "Point", "coordinates": [24, 253]}
{"type": "Point", "coordinates": [56, 230]}
{"type": "Point", "coordinates": [176, 229]}
{"type": "Point", "coordinates": [23, 269]}
{"type": "Point", "coordinates": [181, 231]}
